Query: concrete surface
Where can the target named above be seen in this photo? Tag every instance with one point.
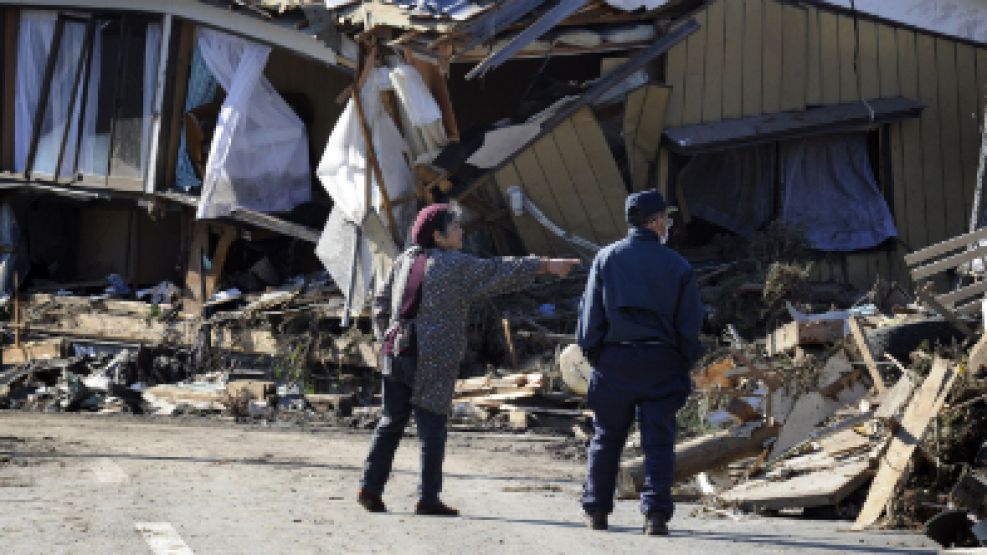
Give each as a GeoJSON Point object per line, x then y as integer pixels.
{"type": "Point", "coordinates": [123, 484]}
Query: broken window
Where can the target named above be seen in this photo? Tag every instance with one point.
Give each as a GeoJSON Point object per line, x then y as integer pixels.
{"type": "Point", "coordinates": [84, 90]}
{"type": "Point", "coordinates": [826, 187]}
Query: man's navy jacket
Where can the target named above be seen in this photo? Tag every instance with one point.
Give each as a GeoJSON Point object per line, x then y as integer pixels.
{"type": "Point", "coordinates": [639, 290]}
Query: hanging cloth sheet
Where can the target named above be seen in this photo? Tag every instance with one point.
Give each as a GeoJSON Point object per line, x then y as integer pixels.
{"type": "Point", "coordinates": [258, 158]}
{"type": "Point", "coordinates": [829, 191]}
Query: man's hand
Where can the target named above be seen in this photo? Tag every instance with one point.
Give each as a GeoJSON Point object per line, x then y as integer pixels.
{"type": "Point", "coordinates": [558, 266]}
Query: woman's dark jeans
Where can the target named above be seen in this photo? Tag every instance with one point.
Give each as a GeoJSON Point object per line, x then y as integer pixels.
{"type": "Point", "coordinates": [396, 412]}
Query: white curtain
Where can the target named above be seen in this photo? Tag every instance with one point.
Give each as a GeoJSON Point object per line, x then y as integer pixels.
{"type": "Point", "coordinates": [258, 158]}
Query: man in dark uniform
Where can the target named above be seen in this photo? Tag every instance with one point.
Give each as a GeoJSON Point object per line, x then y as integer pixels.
{"type": "Point", "coordinates": [639, 326]}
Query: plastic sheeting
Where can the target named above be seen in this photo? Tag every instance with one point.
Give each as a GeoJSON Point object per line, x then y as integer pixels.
{"type": "Point", "coordinates": [258, 158]}
{"type": "Point", "coordinates": [828, 191]}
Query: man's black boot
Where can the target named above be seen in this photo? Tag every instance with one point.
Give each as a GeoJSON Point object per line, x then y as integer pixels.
{"type": "Point", "coordinates": [655, 524]}
{"type": "Point", "coordinates": [597, 521]}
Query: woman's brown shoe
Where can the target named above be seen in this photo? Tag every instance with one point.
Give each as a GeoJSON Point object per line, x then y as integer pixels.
{"type": "Point", "coordinates": [435, 508]}
{"type": "Point", "coordinates": [371, 502]}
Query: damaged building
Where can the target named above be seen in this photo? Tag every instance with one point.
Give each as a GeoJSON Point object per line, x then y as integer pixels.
{"type": "Point", "coordinates": [198, 197]}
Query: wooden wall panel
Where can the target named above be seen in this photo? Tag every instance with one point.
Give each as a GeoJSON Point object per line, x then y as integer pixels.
{"type": "Point", "coordinates": [813, 79]}
{"type": "Point", "coordinates": [532, 234]}
{"type": "Point", "coordinates": [675, 62]}
{"type": "Point", "coordinates": [753, 18]}
{"type": "Point", "coordinates": [584, 180]}
{"type": "Point", "coordinates": [733, 59]}
{"type": "Point", "coordinates": [949, 139]}
{"type": "Point", "coordinates": [771, 58]}
{"type": "Point", "coordinates": [567, 199]}
{"type": "Point", "coordinates": [829, 43]}
{"type": "Point", "coordinates": [969, 125]}
{"type": "Point", "coordinates": [713, 64]}
{"type": "Point", "coordinates": [910, 136]}
{"type": "Point", "coordinates": [643, 127]}
{"type": "Point", "coordinates": [611, 185]}
{"type": "Point", "coordinates": [870, 75]}
{"type": "Point", "coordinates": [694, 73]}
{"type": "Point", "coordinates": [794, 57]}
{"type": "Point", "coordinates": [846, 40]}
{"type": "Point", "coordinates": [932, 174]}
{"type": "Point", "coordinates": [887, 61]}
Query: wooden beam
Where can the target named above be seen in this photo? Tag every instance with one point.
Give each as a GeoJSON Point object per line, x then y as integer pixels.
{"type": "Point", "coordinates": [861, 342]}
{"type": "Point", "coordinates": [892, 469]}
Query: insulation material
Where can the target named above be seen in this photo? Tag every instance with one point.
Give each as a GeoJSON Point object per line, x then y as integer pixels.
{"type": "Point", "coordinates": [630, 33]}
{"type": "Point", "coordinates": [631, 5]}
{"type": "Point", "coordinates": [582, 38]}
{"type": "Point", "coordinates": [258, 158]}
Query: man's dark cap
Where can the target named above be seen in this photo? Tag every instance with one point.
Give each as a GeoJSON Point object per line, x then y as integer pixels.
{"type": "Point", "coordinates": [641, 207]}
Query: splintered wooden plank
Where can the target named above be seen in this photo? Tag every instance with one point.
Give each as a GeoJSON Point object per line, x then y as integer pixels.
{"type": "Point", "coordinates": [753, 23]}
{"type": "Point", "coordinates": [809, 410]}
{"type": "Point", "coordinates": [847, 44]}
{"type": "Point", "coordinates": [870, 77]}
{"type": "Point", "coordinates": [771, 54]}
{"type": "Point", "coordinates": [733, 59]}
{"type": "Point", "coordinates": [642, 136]}
{"type": "Point", "coordinates": [694, 73]}
{"type": "Point", "coordinates": [892, 401]}
{"type": "Point", "coordinates": [572, 214]}
{"type": "Point", "coordinates": [935, 201]}
{"type": "Point", "coordinates": [794, 57]}
{"type": "Point", "coordinates": [842, 442]}
{"type": "Point", "coordinates": [957, 214]}
{"type": "Point", "coordinates": [829, 56]}
{"type": "Point", "coordinates": [532, 233]}
{"type": "Point", "coordinates": [969, 125]}
{"type": "Point", "coordinates": [864, 350]}
{"type": "Point", "coordinates": [613, 191]}
{"type": "Point", "coordinates": [887, 61]}
{"type": "Point", "coordinates": [912, 185]}
{"type": "Point", "coordinates": [925, 405]}
{"type": "Point", "coordinates": [713, 66]}
{"type": "Point", "coordinates": [584, 178]}
{"type": "Point", "coordinates": [813, 78]}
{"type": "Point", "coordinates": [675, 78]}
{"type": "Point", "coordinates": [820, 488]}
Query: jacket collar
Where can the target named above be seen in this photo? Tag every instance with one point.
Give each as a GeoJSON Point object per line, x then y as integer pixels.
{"type": "Point", "coordinates": [644, 234]}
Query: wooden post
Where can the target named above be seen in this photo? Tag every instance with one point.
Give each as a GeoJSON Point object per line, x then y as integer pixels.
{"type": "Point", "coordinates": [372, 162]}
{"type": "Point", "coordinates": [17, 311]}
{"type": "Point", "coordinates": [510, 342]}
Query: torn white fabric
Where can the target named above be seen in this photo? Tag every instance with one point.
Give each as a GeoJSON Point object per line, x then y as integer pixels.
{"type": "Point", "coordinates": [582, 38]}
{"type": "Point", "coordinates": [630, 33]}
{"type": "Point", "coordinates": [258, 158]}
{"type": "Point", "coordinates": [343, 172]}
{"type": "Point", "coordinates": [12, 260]}
{"type": "Point", "coordinates": [152, 51]}
{"type": "Point", "coordinates": [420, 114]}
{"type": "Point", "coordinates": [344, 163]}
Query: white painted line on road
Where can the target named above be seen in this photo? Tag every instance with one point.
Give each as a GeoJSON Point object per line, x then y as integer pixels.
{"type": "Point", "coordinates": [108, 472]}
{"type": "Point", "coordinates": [162, 538]}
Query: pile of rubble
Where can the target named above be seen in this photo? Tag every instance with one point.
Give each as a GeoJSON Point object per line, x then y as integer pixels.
{"type": "Point", "coordinates": [847, 414]}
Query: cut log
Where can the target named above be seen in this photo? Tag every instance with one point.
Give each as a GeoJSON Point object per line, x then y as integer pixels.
{"type": "Point", "coordinates": [698, 455]}
{"type": "Point", "coordinates": [927, 402]}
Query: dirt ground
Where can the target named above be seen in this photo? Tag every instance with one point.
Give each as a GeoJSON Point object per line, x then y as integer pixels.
{"type": "Point", "coordinates": [123, 484]}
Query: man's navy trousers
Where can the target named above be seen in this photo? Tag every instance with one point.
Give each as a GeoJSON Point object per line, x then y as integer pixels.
{"type": "Point", "coordinates": [652, 382]}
